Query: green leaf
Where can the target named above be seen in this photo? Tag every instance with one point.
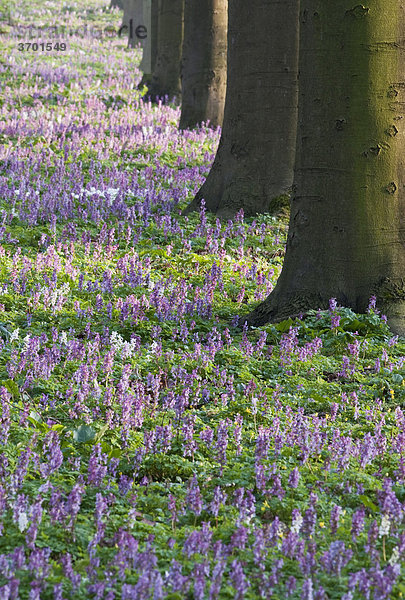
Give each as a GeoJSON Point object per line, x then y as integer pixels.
{"type": "Point", "coordinates": [284, 326]}
{"type": "Point", "coordinates": [36, 417]}
{"type": "Point", "coordinates": [84, 434]}
{"type": "Point", "coordinates": [368, 503]}
{"type": "Point", "coordinates": [12, 387]}
{"type": "Point", "coordinates": [100, 433]}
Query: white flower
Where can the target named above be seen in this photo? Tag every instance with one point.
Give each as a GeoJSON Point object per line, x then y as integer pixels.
{"type": "Point", "coordinates": [26, 341]}
{"type": "Point", "coordinates": [297, 524]}
{"type": "Point", "coordinates": [116, 340]}
{"type": "Point", "coordinates": [384, 526]}
{"type": "Point", "coordinates": [394, 557]}
{"type": "Point", "coordinates": [15, 335]}
{"type": "Point", "coordinates": [63, 337]}
{"type": "Point", "coordinates": [22, 521]}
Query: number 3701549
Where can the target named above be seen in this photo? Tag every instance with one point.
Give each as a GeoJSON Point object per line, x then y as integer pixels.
{"type": "Point", "coordinates": [42, 46]}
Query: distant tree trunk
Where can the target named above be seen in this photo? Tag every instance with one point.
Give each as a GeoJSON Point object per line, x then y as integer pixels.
{"type": "Point", "coordinates": [203, 72]}
{"type": "Point", "coordinates": [347, 227]}
{"type": "Point", "coordinates": [165, 78]}
{"type": "Point", "coordinates": [255, 158]}
{"type": "Point", "coordinates": [149, 67]}
{"type": "Point", "coordinates": [134, 18]}
{"type": "Point", "coordinates": [127, 8]}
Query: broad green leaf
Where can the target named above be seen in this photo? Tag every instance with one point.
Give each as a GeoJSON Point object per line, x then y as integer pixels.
{"type": "Point", "coordinates": [83, 434]}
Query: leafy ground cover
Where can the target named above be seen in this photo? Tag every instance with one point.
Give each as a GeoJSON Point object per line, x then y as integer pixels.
{"type": "Point", "coordinates": [150, 448]}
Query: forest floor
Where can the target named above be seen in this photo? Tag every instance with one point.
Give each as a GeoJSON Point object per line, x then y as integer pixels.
{"type": "Point", "coordinates": [150, 448]}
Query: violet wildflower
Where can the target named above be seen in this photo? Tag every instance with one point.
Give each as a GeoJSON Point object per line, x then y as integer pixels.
{"type": "Point", "coordinates": [358, 522]}
{"type": "Point", "coordinates": [97, 468]}
{"type": "Point", "coordinates": [198, 541]}
{"type": "Point", "coordinates": [216, 579]}
{"type": "Point", "coordinates": [52, 453]}
{"type": "Point", "coordinates": [294, 478]}
{"type": "Point", "coordinates": [334, 518]}
{"type": "Point", "coordinates": [222, 441]}
{"type": "Point", "coordinates": [336, 558]}
{"type": "Point", "coordinates": [219, 498]}
{"type": "Point", "coordinates": [290, 586]}
{"type": "Point", "coordinates": [335, 318]}
{"type": "Point", "coordinates": [307, 591]}
{"type": "Point", "coordinates": [73, 502]}
{"type": "Point", "coordinates": [239, 580]}
{"type": "Point", "coordinates": [239, 538]}
{"type": "Point", "coordinates": [193, 497]}
{"type": "Point", "coordinates": [245, 502]}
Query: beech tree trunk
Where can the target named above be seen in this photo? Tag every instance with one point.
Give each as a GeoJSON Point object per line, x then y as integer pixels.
{"type": "Point", "coordinates": [165, 79]}
{"type": "Point", "coordinates": [254, 163]}
{"type": "Point", "coordinates": [203, 72]}
{"type": "Point", "coordinates": [148, 66]}
{"type": "Point", "coordinates": [347, 225]}
{"type": "Point", "coordinates": [127, 8]}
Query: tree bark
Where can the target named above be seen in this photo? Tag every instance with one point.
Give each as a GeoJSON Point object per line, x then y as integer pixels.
{"type": "Point", "coordinates": [148, 66]}
{"type": "Point", "coordinates": [255, 158]}
{"type": "Point", "coordinates": [165, 80]}
{"type": "Point", "coordinates": [347, 222]}
{"type": "Point", "coordinates": [127, 8]}
{"type": "Point", "coordinates": [203, 72]}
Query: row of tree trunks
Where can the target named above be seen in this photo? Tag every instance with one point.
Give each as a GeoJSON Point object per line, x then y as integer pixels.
{"type": "Point", "coordinates": [254, 163]}
{"type": "Point", "coordinates": [193, 69]}
{"type": "Point", "coordinates": [203, 71]}
{"type": "Point", "coordinates": [347, 226]}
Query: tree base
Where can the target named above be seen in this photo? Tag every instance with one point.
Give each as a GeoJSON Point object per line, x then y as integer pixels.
{"type": "Point", "coordinates": [276, 308]}
{"type": "Point", "coordinates": [227, 209]}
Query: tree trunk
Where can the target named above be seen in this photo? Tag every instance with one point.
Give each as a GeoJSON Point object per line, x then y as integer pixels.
{"type": "Point", "coordinates": [254, 162]}
{"type": "Point", "coordinates": [127, 8]}
{"type": "Point", "coordinates": [148, 66]}
{"type": "Point", "coordinates": [135, 18]}
{"type": "Point", "coordinates": [347, 225]}
{"type": "Point", "coordinates": [165, 80]}
{"type": "Point", "coordinates": [203, 73]}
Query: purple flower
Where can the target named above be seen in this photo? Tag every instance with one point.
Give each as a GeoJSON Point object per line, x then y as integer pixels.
{"type": "Point", "coordinates": [193, 497]}
{"type": "Point", "coordinates": [239, 580]}
{"type": "Point", "coordinates": [216, 579]}
{"type": "Point", "coordinates": [358, 522]}
{"type": "Point", "coordinates": [97, 468]}
{"type": "Point", "coordinates": [294, 478]}
{"type": "Point", "coordinates": [290, 586]}
{"type": "Point", "coordinates": [52, 453]}
{"type": "Point", "coordinates": [219, 498]}
{"type": "Point", "coordinates": [307, 592]}
{"type": "Point", "coordinates": [239, 538]}
{"type": "Point", "coordinates": [198, 541]}
{"type": "Point", "coordinates": [336, 558]}
{"type": "Point", "coordinates": [73, 502]}
{"type": "Point", "coordinates": [334, 518]}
